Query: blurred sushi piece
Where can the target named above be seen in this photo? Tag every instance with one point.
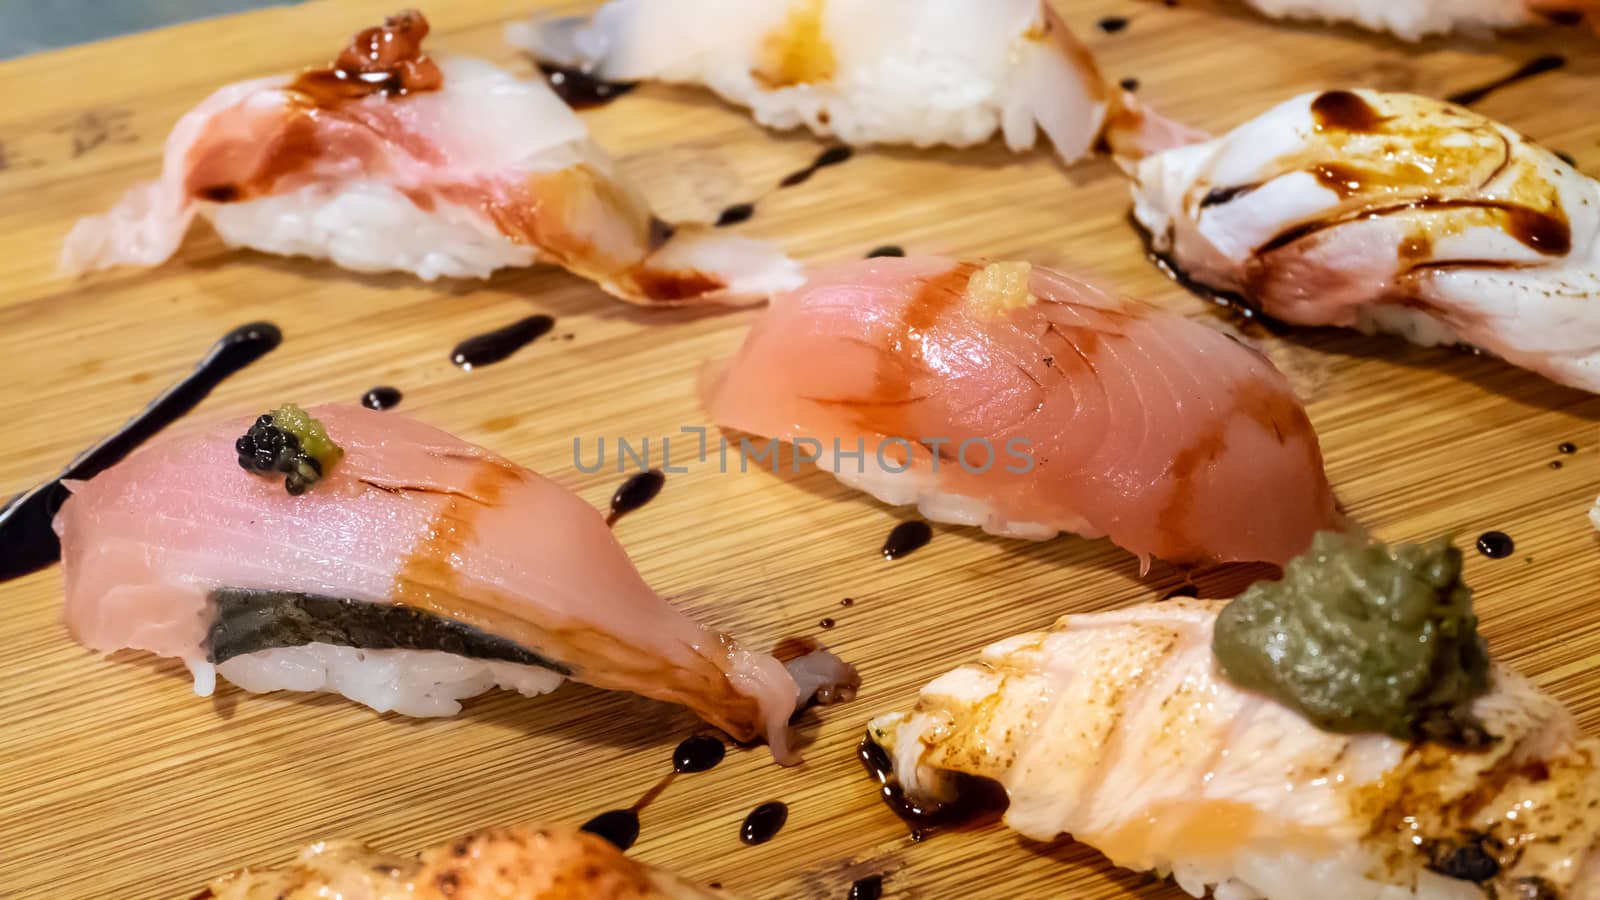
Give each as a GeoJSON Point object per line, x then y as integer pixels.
{"type": "Point", "coordinates": [919, 72]}
{"type": "Point", "coordinates": [390, 159]}
{"type": "Point", "coordinates": [1021, 400]}
{"type": "Point", "coordinates": [415, 571]}
{"type": "Point", "coordinates": [1416, 19]}
{"type": "Point", "coordinates": [1390, 213]}
{"type": "Point", "coordinates": [527, 862]}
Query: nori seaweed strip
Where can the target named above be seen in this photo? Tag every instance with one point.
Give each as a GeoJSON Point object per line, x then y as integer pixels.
{"type": "Point", "coordinates": [249, 620]}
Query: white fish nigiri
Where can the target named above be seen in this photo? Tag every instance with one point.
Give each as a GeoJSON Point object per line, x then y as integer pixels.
{"type": "Point", "coordinates": [390, 160]}
{"type": "Point", "coordinates": [920, 72]}
{"type": "Point", "coordinates": [1416, 19]}
{"type": "Point", "coordinates": [1117, 729]}
{"type": "Point", "coordinates": [419, 571]}
{"type": "Point", "coordinates": [1391, 212]}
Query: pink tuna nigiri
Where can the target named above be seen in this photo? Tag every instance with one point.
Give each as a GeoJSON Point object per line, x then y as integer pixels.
{"type": "Point", "coordinates": [1031, 403]}
{"type": "Point", "coordinates": [389, 160]}
{"type": "Point", "coordinates": [479, 572]}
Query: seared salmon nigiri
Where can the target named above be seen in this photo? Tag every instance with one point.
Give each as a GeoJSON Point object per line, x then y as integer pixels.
{"type": "Point", "coordinates": [1391, 212]}
{"type": "Point", "coordinates": [921, 72]}
{"type": "Point", "coordinates": [405, 571]}
{"type": "Point", "coordinates": [529, 862]}
{"type": "Point", "coordinates": [1026, 402]}
{"type": "Point", "coordinates": [391, 160]}
{"type": "Point", "coordinates": [1124, 730]}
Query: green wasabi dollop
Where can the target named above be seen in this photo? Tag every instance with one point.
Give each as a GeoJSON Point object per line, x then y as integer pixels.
{"type": "Point", "coordinates": [1363, 637]}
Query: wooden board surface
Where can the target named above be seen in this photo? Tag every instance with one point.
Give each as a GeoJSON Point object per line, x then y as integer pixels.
{"type": "Point", "coordinates": [115, 781]}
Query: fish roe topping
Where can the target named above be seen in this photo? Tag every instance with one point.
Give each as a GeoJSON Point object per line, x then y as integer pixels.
{"type": "Point", "coordinates": [289, 440]}
{"type": "Point", "coordinates": [1000, 287]}
{"type": "Point", "coordinates": [384, 60]}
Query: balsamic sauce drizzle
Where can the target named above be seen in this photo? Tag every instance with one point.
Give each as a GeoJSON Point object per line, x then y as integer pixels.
{"type": "Point", "coordinates": [698, 753]}
{"type": "Point", "coordinates": [1536, 66]}
{"type": "Point", "coordinates": [381, 397]}
{"type": "Point", "coordinates": [829, 157]}
{"type": "Point", "coordinates": [27, 542]}
{"type": "Point", "coordinates": [493, 346]}
{"type": "Point", "coordinates": [832, 156]}
{"type": "Point", "coordinates": [977, 800]}
{"type": "Point", "coordinates": [1496, 544]}
{"type": "Point", "coordinates": [581, 90]}
{"type": "Point", "coordinates": [620, 827]}
{"type": "Point", "coordinates": [733, 215]}
{"type": "Point", "coordinates": [764, 822]}
{"type": "Point", "coordinates": [634, 493]}
{"type": "Point", "coordinates": [906, 538]}
{"type": "Point", "coordinates": [1113, 24]}
{"type": "Point", "coordinates": [886, 250]}
{"type": "Point", "coordinates": [868, 888]}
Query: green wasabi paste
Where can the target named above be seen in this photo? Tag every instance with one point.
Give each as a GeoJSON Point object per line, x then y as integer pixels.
{"type": "Point", "coordinates": [1363, 637]}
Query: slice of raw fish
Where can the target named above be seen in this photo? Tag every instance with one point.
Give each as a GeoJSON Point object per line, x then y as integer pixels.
{"type": "Point", "coordinates": [1030, 403]}
{"type": "Point", "coordinates": [1117, 729]}
{"type": "Point", "coordinates": [389, 159]}
{"type": "Point", "coordinates": [439, 536]}
{"type": "Point", "coordinates": [526, 862]}
{"type": "Point", "coordinates": [865, 71]}
{"type": "Point", "coordinates": [1416, 19]}
{"type": "Point", "coordinates": [1391, 212]}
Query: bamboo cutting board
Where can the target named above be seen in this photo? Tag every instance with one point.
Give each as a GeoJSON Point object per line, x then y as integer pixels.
{"type": "Point", "coordinates": [115, 781]}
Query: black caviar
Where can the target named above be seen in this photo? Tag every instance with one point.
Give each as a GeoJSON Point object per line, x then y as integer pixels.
{"type": "Point", "coordinates": [290, 441]}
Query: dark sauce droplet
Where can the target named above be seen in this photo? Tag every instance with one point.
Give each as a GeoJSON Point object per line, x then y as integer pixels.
{"type": "Point", "coordinates": [886, 250]}
{"type": "Point", "coordinates": [1496, 544]}
{"type": "Point", "coordinates": [381, 397]}
{"type": "Point", "coordinates": [1555, 463]}
{"type": "Point", "coordinates": [905, 538]}
{"type": "Point", "coordinates": [977, 800]}
{"type": "Point", "coordinates": [1345, 111]}
{"type": "Point", "coordinates": [493, 346]}
{"type": "Point", "coordinates": [826, 623]}
{"type": "Point", "coordinates": [733, 215]}
{"type": "Point", "coordinates": [1129, 84]}
{"type": "Point", "coordinates": [1112, 24]}
{"type": "Point", "coordinates": [634, 493]}
{"type": "Point", "coordinates": [698, 754]}
{"type": "Point", "coordinates": [848, 601]}
{"type": "Point", "coordinates": [580, 90]}
{"type": "Point", "coordinates": [1568, 447]}
{"type": "Point", "coordinates": [27, 542]}
{"type": "Point", "coordinates": [764, 823]}
{"type": "Point", "coordinates": [829, 157]}
{"type": "Point", "coordinates": [868, 888]}
{"type": "Point", "coordinates": [618, 826]}
{"type": "Point", "coordinates": [1536, 66]}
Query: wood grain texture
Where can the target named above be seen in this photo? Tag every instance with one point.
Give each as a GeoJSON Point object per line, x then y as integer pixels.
{"type": "Point", "coordinates": [115, 781]}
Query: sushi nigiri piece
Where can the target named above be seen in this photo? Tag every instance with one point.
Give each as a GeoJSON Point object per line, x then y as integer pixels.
{"type": "Point", "coordinates": [1394, 213]}
{"type": "Point", "coordinates": [1118, 729]}
{"type": "Point", "coordinates": [920, 72]}
{"type": "Point", "coordinates": [526, 862]}
{"type": "Point", "coordinates": [1021, 400]}
{"type": "Point", "coordinates": [1416, 19]}
{"type": "Point", "coordinates": [417, 571]}
{"type": "Point", "coordinates": [392, 160]}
